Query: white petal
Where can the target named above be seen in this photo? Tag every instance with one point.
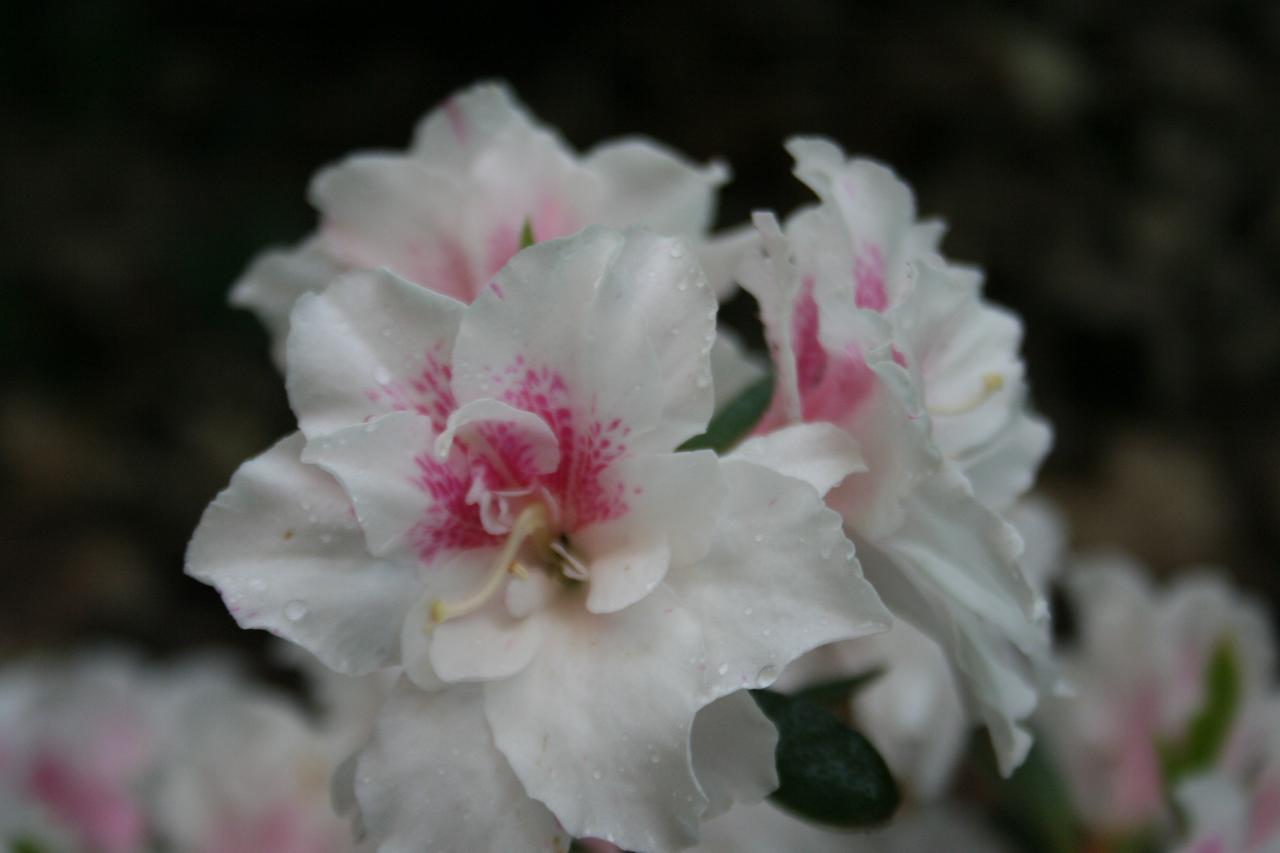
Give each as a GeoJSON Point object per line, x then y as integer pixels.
{"type": "Point", "coordinates": [388, 210]}
{"type": "Point", "coordinates": [820, 454]}
{"type": "Point", "coordinates": [722, 255]}
{"type": "Point", "coordinates": [283, 548]}
{"type": "Point", "coordinates": [598, 725]}
{"type": "Point", "coordinates": [369, 344]}
{"type": "Point", "coordinates": [912, 711]}
{"type": "Point", "coordinates": [771, 277]}
{"type": "Point", "coordinates": [275, 280]}
{"type": "Point", "coordinates": [379, 466]}
{"type": "Point", "coordinates": [648, 184]}
{"type": "Point", "coordinates": [673, 502]}
{"type": "Point", "coordinates": [431, 780]}
{"type": "Point", "coordinates": [532, 341]}
{"type": "Point", "coordinates": [1007, 466]}
{"type": "Point", "coordinates": [951, 569]}
{"type": "Point", "coordinates": [487, 644]}
{"type": "Point", "coordinates": [765, 827]}
{"type": "Point", "coordinates": [625, 568]}
{"type": "Point", "coordinates": [520, 441]}
{"type": "Point", "coordinates": [625, 322]}
{"type": "Point", "coordinates": [416, 635]}
{"type": "Point", "coordinates": [451, 135]}
{"type": "Point", "coordinates": [1044, 534]}
{"type": "Point", "coordinates": [780, 580]}
{"type": "Point", "coordinates": [733, 752]}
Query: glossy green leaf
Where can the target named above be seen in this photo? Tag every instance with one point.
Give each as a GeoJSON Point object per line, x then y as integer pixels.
{"type": "Point", "coordinates": [732, 423]}
{"type": "Point", "coordinates": [827, 772]}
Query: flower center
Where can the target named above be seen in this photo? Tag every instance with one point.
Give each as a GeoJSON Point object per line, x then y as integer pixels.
{"type": "Point", "coordinates": [991, 384]}
{"type": "Point", "coordinates": [531, 543]}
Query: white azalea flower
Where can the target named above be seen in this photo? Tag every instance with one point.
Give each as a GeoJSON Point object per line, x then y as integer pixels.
{"type": "Point", "coordinates": [913, 710]}
{"type": "Point", "coordinates": [1138, 675]}
{"type": "Point", "coordinates": [449, 213]}
{"type": "Point", "coordinates": [78, 745]}
{"type": "Point", "coordinates": [244, 771]}
{"type": "Point", "coordinates": [765, 828]}
{"type": "Point", "coordinates": [872, 331]}
{"type": "Point", "coordinates": [487, 495]}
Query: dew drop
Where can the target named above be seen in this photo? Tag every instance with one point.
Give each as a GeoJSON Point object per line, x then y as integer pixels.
{"type": "Point", "coordinates": [381, 375]}
{"type": "Point", "coordinates": [596, 774]}
{"type": "Point", "coordinates": [767, 673]}
{"type": "Point", "coordinates": [723, 669]}
{"type": "Point", "coordinates": [677, 251]}
{"type": "Point", "coordinates": [295, 610]}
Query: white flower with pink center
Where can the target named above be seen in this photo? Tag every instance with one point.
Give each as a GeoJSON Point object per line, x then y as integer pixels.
{"type": "Point", "coordinates": [1138, 673]}
{"type": "Point", "coordinates": [450, 212]}
{"type": "Point", "coordinates": [243, 771]}
{"type": "Point", "coordinates": [488, 495]}
{"type": "Point", "coordinates": [77, 747]}
{"type": "Point", "coordinates": [872, 331]}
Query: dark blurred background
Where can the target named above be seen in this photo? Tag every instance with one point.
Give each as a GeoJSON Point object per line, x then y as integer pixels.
{"type": "Point", "coordinates": [1117, 174]}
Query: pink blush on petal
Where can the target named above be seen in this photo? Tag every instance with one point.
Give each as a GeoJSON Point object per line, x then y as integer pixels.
{"type": "Point", "coordinates": [98, 810]}
{"type": "Point", "coordinates": [588, 446]}
{"type": "Point", "coordinates": [868, 277]}
{"type": "Point", "coordinates": [430, 393]}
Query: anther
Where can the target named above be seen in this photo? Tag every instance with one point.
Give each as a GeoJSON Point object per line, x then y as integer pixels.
{"type": "Point", "coordinates": [532, 521]}
{"type": "Point", "coordinates": [991, 383]}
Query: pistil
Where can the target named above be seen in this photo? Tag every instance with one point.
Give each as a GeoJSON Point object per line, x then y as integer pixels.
{"type": "Point", "coordinates": [532, 521]}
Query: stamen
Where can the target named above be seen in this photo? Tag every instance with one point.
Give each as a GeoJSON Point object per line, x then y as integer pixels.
{"type": "Point", "coordinates": [991, 383]}
{"type": "Point", "coordinates": [531, 521]}
{"type": "Point", "coordinates": [573, 568]}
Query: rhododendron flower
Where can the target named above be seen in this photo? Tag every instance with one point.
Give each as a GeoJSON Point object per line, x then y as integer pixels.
{"type": "Point", "coordinates": [488, 495]}
{"type": "Point", "coordinates": [451, 211]}
{"type": "Point", "coordinates": [75, 749]}
{"type": "Point", "coordinates": [1138, 670]}
{"type": "Point", "coordinates": [912, 709]}
{"type": "Point", "coordinates": [764, 828]}
{"type": "Point", "coordinates": [106, 754]}
{"type": "Point", "coordinates": [1229, 814]}
{"type": "Point", "coordinates": [244, 771]}
{"type": "Point", "coordinates": [872, 331]}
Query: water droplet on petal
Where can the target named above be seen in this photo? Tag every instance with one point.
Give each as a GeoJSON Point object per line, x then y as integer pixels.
{"type": "Point", "coordinates": [596, 774]}
{"type": "Point", "coordinates": [723, 669]}
{"type": "Point", "coordinates": [295, 610]}
{"type": "Point", "coordinates": [381, 375]}
{"type": "Point", "coordinates": [766, 674]}
{"type": "Point", "coordinates": [677, 251]}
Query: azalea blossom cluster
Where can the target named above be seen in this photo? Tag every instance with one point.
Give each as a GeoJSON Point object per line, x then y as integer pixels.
{"type": "Point", "coordinates": [105, 753]}
{"type": "Point", "coordinates": [582, 570]}
{"type": "Point", "coordinates": [498, 351]}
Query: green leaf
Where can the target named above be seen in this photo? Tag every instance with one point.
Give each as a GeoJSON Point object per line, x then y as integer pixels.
{"type": "Point", "coordinates": [838, 691]}
{"type": "Point", "coordinates": [827, 771]}
{"type": "Point", "coordinates": [1208, 729]}
{"type": "Point", "coordinates": [732, 423]}
{"type": "Point", "coordinates": [526, 234]}
{"type": "Point", "coordinates": [26, 845]}
{"type": "Point", "coordinates": [1033, 805]}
